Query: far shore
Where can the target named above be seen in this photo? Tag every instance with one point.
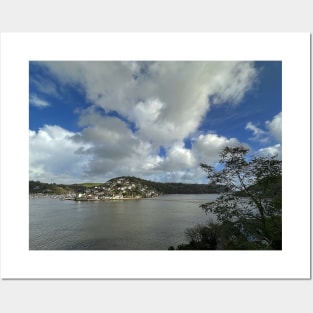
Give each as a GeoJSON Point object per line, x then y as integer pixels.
{"type": "Point", "coordinates": [76, 199]}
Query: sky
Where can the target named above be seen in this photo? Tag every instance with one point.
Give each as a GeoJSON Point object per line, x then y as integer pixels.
{"type": "Point", "coordinates": [158, 120]}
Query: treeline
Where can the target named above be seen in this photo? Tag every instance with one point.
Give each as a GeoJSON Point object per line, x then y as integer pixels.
{"type": "Point", "coordinates": [176, 188]}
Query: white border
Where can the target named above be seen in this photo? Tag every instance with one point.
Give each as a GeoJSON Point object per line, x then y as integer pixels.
{"type": "Point", "coordinates": [18, 262]}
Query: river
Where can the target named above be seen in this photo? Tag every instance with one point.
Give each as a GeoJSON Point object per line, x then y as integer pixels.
{"type": "Point", "coordinates": [144, 224]}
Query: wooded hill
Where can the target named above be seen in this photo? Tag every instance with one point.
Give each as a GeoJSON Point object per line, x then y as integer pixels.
{"type": "Point", "coordinates": [175, 188]}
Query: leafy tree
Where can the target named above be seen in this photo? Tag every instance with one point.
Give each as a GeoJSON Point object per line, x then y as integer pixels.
{"type": "Point", "coordinates": [251, 200]}
{"type": "Point", "coordinates": [201, 237]}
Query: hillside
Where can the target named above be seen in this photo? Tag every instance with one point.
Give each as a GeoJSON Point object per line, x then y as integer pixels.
{"type": "Point", "coordinates": [39, 187]}
{"type": "Point", "coordinates": [174, 188]}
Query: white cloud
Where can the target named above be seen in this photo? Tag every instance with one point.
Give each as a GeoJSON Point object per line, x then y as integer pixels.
{"type": "Point", "coordinates": [271, 151]}
{"type": "Point", "coordinates": [114, 149]}
{"type": "Point", "coordinates": [273, 134]}
{"type": "Point", "coordinates": [206, 148]}
{"type": "Point", "coordinates": [110, 149]}
{"type": "Point", "coordinates": [177, 158]}
{"type": "Point", "coordinates": [37, 102]}
{"type": "Point", "coordinates": [166, 100]}
{"type": "Point", "coordinates": [275, 126]}
{"type": "Point", "coordinates": [274, 130]}
{"type": "Point", "coordinates": [45, 86]}
{"type": "Point", "coordinates": [258, 133]}
{"type": "Point", "coordinates": [182, 164]}
{"type": "Point", "coordinates": [52, 156]}
{"type": "Point", "coordinates": [232, 81]}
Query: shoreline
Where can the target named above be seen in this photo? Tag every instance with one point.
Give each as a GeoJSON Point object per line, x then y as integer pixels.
{"type": "Point", "coordinates": [71, 198]}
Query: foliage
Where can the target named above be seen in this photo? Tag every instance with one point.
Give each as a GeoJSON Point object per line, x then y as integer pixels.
{"type": "Point", "coordinates": [249, 209]}
{"type": "Point", "coordinates": [258, 180]}
{"type": "Point", "coordinates": [201, 238]}
{"type": "Point", "coordinates": [175, 188]}
{"type": "Point", "coordinates": [39, 187]}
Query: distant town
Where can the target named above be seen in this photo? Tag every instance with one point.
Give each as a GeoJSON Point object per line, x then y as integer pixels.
{"type": "Point", "coordinates": [114, 189]}
{"type": "Point", "coordinates": [126, 187]}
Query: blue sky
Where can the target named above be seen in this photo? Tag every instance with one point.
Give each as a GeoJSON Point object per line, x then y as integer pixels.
{"type": "Point", "coordinates": [91, 121]}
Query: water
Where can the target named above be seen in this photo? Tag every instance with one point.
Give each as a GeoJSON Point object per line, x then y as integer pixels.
{"type": "Point", "coordinates": [144, 224]}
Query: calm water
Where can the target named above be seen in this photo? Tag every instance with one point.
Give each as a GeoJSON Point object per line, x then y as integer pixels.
{"type": "Point", "coordinates": [145, 224]}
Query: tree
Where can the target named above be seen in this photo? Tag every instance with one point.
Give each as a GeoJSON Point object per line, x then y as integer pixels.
{"type": "Point", "coordinates": [251, 200]}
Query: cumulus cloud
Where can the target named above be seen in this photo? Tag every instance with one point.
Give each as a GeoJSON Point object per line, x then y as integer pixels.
{"type": "Point", "coordinates": [232, 81]}
{"type": "Point", "coordinates": [271, 135]}
{"type": "Point", "coordinates": [52, 156]}
{"type": "Point", "coordinates": [271, 151]}
{"type": "Point", "coordinates": [166, 100]}
{"type": "Point", "coordinates": [274, 130]}
{"type": "Point", "coordinates": [206, 148]}
{"type": "Point", "coordinates": [135, 108]}
{"type": "Point", "coordinates": [177, 158]}
{"type": "Point", "coordinates": [258, 133]}
{"type": "Point", "coordinates": [37, 102]}
{"type": "Point", "coordinates": [114, 149]}
{"type": "Point", "coordinates": [275, 126]}
{"type": "Point", "coordinates": [110, 149]}
{"type": "Point", "coordinates": [182, 164]}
